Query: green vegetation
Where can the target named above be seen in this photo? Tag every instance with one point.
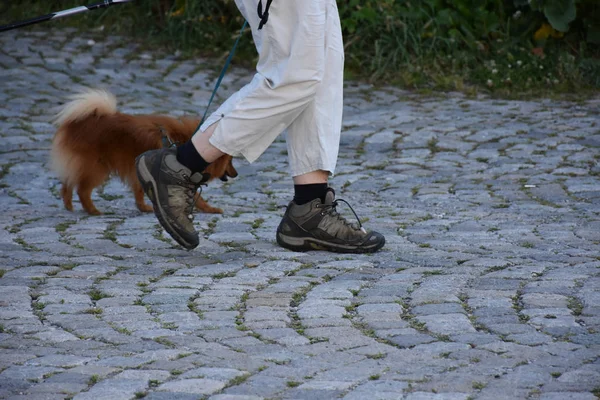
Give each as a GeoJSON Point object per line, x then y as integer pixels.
{"type": "Point", "coordinates": [505, 47]}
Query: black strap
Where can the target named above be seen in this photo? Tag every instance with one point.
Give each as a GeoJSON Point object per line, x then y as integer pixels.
{"type": "Point", "coordinates": [264, 16]}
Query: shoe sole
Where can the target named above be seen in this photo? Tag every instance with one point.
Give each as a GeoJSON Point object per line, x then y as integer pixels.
{"type": "Point", "coordinates": [309, 243]}
{"type": "Point", "coordinates": [149, 186]}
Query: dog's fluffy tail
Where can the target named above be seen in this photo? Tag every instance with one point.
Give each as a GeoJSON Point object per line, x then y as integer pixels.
{"type": "Point", "coordinates": [84, 104]}
{"type": "Point", "coordinates": [66, 162]}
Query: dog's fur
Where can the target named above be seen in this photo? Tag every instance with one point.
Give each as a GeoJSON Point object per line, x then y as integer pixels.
{"type": "Point", "coordinates": [95, 141]}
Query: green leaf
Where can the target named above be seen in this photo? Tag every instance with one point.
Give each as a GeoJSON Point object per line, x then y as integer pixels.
{"type": "Point", "coordinates": [560, 13]}
{"type": "Point", "coordinates": [366, 14]}
{"type": "Point", "coordinates": [454, 33]}
{"type": "Point", "coordinates": [444, 17]}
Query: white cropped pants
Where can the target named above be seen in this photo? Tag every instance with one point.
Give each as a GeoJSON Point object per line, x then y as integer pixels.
{"type": "Point", "coordinates": [298, 86]}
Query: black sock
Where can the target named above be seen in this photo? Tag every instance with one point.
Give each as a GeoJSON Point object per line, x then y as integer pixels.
{"type": "Point", "coordinates": [189, 156]}
{"type": "Point", "coordinates": [306, 193]}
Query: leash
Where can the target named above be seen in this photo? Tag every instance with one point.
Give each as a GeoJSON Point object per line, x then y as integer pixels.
{"type": "Point", "coordinates": [60, 14]}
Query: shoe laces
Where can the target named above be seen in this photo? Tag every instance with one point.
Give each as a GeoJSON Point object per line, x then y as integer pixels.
{"type": "Point", "coordinates": [192, 195]}
{"type": "Point", "coordinates": [331, 209]}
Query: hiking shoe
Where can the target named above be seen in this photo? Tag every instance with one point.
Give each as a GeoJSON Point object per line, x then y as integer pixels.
{"type": "Point", "coordinates": [171, 187]}
{"type": "Point", "coordinates": [318, 226]}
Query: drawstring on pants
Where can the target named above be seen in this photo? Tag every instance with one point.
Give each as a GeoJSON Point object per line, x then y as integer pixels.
{"type": "Point", "coordinates": [264, 16]}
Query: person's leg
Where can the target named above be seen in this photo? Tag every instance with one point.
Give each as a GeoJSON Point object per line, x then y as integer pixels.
{"type": "Point", "coordinates": [310, 186]}
{"type": "Point", "coordinates": [313, 138]}
{"type": "Point", "coordinates": [289, 72]}
{"type": "Point", "coordinates": [290, 69]}
{"type": "Point", "coordinates": [311, 220]}
{"type": "Point", "coordinates": [201, 141]}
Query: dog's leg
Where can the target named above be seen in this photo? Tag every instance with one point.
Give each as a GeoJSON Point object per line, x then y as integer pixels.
{"type": "Point", "coordinates": [84, 191]}
{"type": "Point", "coordinates": [66, 192]}
{"type": "Point", "coordinates": [138, 193]}
{"type": "Point", "coordinates": [203, 206]}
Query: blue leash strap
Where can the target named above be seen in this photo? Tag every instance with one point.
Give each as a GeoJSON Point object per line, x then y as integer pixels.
{"type": "Point", "coordinates": [223, 71]}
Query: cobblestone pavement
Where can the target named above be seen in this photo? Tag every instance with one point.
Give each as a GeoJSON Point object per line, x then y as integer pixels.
{"type": "Point", "coordinates": [488, 286]}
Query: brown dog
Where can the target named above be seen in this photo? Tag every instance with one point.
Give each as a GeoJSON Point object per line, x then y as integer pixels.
{"type": "Point", "coordinates": [95, 141]}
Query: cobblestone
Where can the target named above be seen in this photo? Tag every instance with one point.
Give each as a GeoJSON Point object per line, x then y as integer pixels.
{"type": "Point", "coordinates": [488, 286]}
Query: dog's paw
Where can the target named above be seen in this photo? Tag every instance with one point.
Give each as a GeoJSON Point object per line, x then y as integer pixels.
{"type": "Point", "coordinates": [211, 210]}
{"type": "Point", "coordinates": [145, 207]}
